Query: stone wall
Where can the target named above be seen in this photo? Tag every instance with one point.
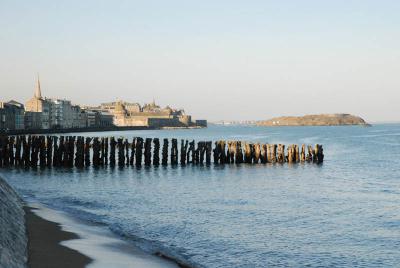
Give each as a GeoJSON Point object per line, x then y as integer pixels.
{"type": "Point", "coordinates": [13, 239]}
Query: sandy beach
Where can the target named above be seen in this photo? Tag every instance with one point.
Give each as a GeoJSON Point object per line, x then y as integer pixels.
{"type": "Point", "coordinates": [57, 240]}
{"type": "Point", "coordinates": [44, 249]}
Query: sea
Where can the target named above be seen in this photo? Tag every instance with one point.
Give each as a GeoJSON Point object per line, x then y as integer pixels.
{"type": "Point", "coordinates": [342, 213]}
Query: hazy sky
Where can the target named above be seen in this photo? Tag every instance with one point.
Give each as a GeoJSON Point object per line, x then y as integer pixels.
{"type": "Point", "coordinates": [219, 59]}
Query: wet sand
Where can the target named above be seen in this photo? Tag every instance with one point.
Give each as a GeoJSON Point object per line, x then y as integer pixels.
{"type": "Point", "coordinates": [58, 240]}
{"type": "Point", "coordinates": [44, 248]}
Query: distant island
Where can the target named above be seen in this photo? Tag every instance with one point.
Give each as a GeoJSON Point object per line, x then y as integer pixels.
{"type": "Point", "coordinates": [315, 120]}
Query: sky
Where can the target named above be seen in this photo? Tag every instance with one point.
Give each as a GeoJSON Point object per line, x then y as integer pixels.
{"type": "Point", "coordinates": [217, 59]}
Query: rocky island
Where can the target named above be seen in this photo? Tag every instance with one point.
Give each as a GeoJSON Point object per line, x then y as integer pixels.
{"type": "Point", "coordinates": [315, 120]}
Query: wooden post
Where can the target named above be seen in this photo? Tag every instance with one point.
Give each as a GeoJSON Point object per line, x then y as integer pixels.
{"type": "Point", "coordinates": [202, 151]}
{"type": "Point", "coordinates": [42, 151]}
{"type": "Point", "coordinates": [112, 151]}
{"type": "Point", "coordinates": [147, 152]}
{"type": "Point", "coordinates": [80, 152]}
{"type": "Point", "coordinates": [165, 152]}
{"type": "Point", "coordinates": [257, 153]}
{"type": "Point", "coordinates": [126, 145]}
{"type": "Point", "coordinates": [309, 157]}
{"type": "Point", "coordinates": [156, 152]}
{"type": "Point", "coordinates": [102, 151]}
{"type": "Point", "coordinates": [247, 153]}
{"type": "Point", "coordinates": [105, 151]}
{"type": "Point", "coordinates": [318, 156]}
{"type": "Point", "coordinates": [49, 151]}
{"type": "Point", "coordinates": [139, 151]}
{"type": "Point", "coordinates": [208, 152]}
{"type": "Point", "coordinates": [121, 153]}
{"type": "Point", "coordinates": [303, 153]}
{"type": "Point", "coordinates": [189, 158]}
{"type": "Point", "coordinates": [96, 152]}
{"type": "Point", "coordinates": [18, 151]}
{"type": "Point", "coordinates": [55, 151]}
{"type": "Point", "coordinates": [216, 152]}
{"type": "Point", "coordinates": [133, 147]}
{"type": "Point", "coordinates": [174, 152]}
{"type": "Point", "coordinates": [87, 151]}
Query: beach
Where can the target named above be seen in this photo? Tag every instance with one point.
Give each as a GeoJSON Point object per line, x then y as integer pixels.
{"type": "Point", "coordinates": [44, 248]}
{"type": "Point", "coordinates": [57, 240]}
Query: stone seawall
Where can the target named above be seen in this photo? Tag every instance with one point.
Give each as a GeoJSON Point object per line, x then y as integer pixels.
{"type": "Point", "coordinates": [13, 239]}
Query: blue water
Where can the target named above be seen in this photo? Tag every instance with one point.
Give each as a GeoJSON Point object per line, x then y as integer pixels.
{"type": "Point", "coordinates": [344, 213]}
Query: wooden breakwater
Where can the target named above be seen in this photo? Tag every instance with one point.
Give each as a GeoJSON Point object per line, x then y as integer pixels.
{"type": "Point", "coordinates": [79, 151]}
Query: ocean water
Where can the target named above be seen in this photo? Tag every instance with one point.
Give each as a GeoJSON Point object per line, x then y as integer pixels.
{"type": "Point", "coordinates": [343, 213]}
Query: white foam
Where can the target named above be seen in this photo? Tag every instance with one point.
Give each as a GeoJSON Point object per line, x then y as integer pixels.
{"type": "Point", "coordinates": [100, 244]}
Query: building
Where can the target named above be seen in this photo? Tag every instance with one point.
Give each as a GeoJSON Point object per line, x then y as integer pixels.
{"type": "Point", "coordinates": [55, 113]}
{"type": "Point", "coordinates": [151, 115]}
{"type": "Point", "coordinates": [11, 115]}
{"type": "Point", "coordinates": [33, 120]}
{"type": "Point", "coordinates": [79, 118]}
{"type": "Point", "coordinates": [96, 118]}
{"type": "Point", "coordinates": [40, 105]}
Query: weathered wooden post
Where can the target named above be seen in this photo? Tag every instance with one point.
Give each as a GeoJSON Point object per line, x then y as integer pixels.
{"type": "Point", "coordinates": [87, 151]}
{"type": "Point", "coordinates": [80, 152]}
{"type": "Point", "coordinates": [96, 152]}
{"type": "Point", "coordinates": [208, 152]}
{"type": "Point", "coordinates": [147, 152]}
{"type": "Point", "coordinates": [303, 153]}
{"type": "Point", "coordinates": [174, 152]}
{"type": "Point", "coordinates": [42, 151]}
{"type": "Point", "coordinates": [35, 151]}
{"type": "Point", "coordinates": [257, 153]}
{"type": "Point", "coordinates": [238, 153]}
{"type": "Point", "coordinates": [197, 154]}
{"type": "Point", "coordinates": [121, 153]}
{"type": "Point", "coordinates": [184, 147]}
{"type": "Point", "coordinates": [309, 157]}
{"type": "Point", "coordinates": [11, 150]}
{"type": "Point", "coordinates": [102, 151]}
{"type": "Point", "coordinates": [105, 151]}
{"type": "Point", "coordinates": [156, 152]}
{"type": "Point", "coordinates": [202, 151]}
{"type": "Point", "coordinates": [264, 154]}
{"type": "Point", "coordinates": [126, 145]}
{"type": "Point", "coordinates": [112, 151]}
{"type": "Point", "coordinates": [24, 151]}
{"type": "Point", "coordinates": [281, 153]}
{"type": "Point", "coordinates": [165, 152]}
{"type": "Point", "coordinates": [49, 151]}
{"type": "Point", "coordinates": [247, 153]}
{"type": "Point", "coordinates": [290, 154]}
{"type": "Point", "coordinates": [139, 151]}
{"type": "Point", "coordinates": [66, 151]}
{"type": "Point", "coordinates": [133, 147]}
{"type": "Point", "coordinates": [318, 156]}
{"type": "Point", "coordinates": [189, 153]}
{"type": "Point", "coordinates": [216, 152]}
{"type": "Point", "coordinates": [55, 151]}
{"type": "Point", "coordinates": [297, 153]}
{"type": "Point", "coordinates": [222, 158]}
{"type": "Point", "coordinates": [17, 151]}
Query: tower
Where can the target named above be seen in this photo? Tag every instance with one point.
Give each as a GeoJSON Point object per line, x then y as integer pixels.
{"type": "Point", "coordinates": [38, 91]}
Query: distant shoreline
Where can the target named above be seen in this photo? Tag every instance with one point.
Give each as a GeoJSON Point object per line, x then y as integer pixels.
{"type": "Point", "coordinates": [82, 130]}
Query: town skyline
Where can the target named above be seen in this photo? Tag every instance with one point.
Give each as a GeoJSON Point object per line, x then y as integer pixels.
{"type": "Point", "coordinates": [262, 59]}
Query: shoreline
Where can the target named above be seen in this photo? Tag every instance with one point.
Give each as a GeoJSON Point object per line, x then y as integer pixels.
{"type": "Point", "coordinates": [63, 241]}
{"type": "Point", "coordinates": [44, 248]}
{"type": "Point", "coordinates": [84, 130]}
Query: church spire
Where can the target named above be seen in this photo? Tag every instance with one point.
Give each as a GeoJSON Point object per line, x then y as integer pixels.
{"type": "Point", "coordinates": [38, 92]}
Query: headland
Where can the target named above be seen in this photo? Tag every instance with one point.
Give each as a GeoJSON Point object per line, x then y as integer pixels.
{"type": "Point", "coordinates": [315, 120]}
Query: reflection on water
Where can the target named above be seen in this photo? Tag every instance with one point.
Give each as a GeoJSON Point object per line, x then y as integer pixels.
{"type": "Point", "coordinates": [344, 213]}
